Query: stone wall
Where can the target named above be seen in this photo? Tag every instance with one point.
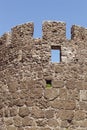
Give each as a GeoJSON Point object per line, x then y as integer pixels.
{"type": "Point", "coordinates": [26, 103]}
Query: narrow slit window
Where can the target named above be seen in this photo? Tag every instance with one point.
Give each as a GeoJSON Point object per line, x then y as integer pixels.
{"type": "Point", "coordinates": [55, 54]}
{"type": "Point", "coordinates": [48, 83]}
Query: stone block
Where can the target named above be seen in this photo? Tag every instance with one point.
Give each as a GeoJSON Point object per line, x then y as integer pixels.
{"type": "Point", "coordinates": [83, 105]}
{"type": "Point", "coordinates": [63, 104]}
{"type": "Point", "coordinates": [11, 128]}
{"type": "Point", "coordinates": [23, 111]}
{"type": "Point", "coordinates": [36, 112]}
{"type": "Point", "coordinates": [17, 121]}
{"type": "Point", "coordinates": [8, 121]}
{"type": "Point", "coordinates": [27, 121]}
{"type": "Point", "coordinates": [49, 114]}
{"type": "Point", "coordinates": [13, 86]}
{"type": "Point", "coordinates": [51, 93]}
{"type": "Point", "coordinates": [66, 115]}
{"type": "Point", "coordinates": [53, 123]}
{"type": "Point", "coordinates": [57, 84]}
{"type": "Point", "coordinates": [41, 123]}
{"type": "Point", "coordinates": [79, 115]}
{"type": "Point", "coordinates": [63, 94]}
{"type": "Point", "coordinates": [13, 112]}
{"type": "Point", "coordinates": [83, 95]}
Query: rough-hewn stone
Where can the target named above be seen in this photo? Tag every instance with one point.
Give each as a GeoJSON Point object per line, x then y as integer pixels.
{"type": "Point", "coordinates": [36, 93]}
{"type": "Point", "coordinates": [17, 121]}
{"type": "Point", "coordinates": [27, 121]}
{"type": "Point", "coordinates": [37, 112]}
{"type": "Point", "coordinates": [23, 111]}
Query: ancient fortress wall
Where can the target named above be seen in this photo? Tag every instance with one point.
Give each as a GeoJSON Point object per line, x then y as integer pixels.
{"type": "Point", "coordinates": [26, 71]}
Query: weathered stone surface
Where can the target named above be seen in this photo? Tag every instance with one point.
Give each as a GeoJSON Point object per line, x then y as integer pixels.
{"type": "Point", "coordinates": [11, 128]}
{"type": "Point", "coordinates": [58, 83]}
{"type": "Point", "coordinates": [37, 128]}
{"type": "Point", "coordinates": [23, 111]}
{"type": "Point", "coordinates": [37, 112]}
{"type": "Point", "coordinates": [70, 84]}
{"type": "Point", "coordinates": [63, 104]}
{"type": "Point", "coordinates": [41, 123]}
{"type": "Point", "coordinates": [53, 123]}
{"type": "Point", "coordinates": [13, 112]}
{"type": "Point", "coordinates": [79, 115]}
{"type": "Point", "coordinates": [20, 128]}
{"type": "Point", "coordinates": [26, 69]}
{"type": "Point", "coordinates": [82, 124]}
{"type": "Point", "coordinates": [83, 106]}
{"type": "Point", "coordinates": [36, 93]}
{"type": "Point", "coordinates": [51, 93]}
{"type": "Point", "coordinates": [27, 121]}
{"type": "Point", "coordinates": [18, 102]}
{"type": "Point", "coordinates": [8, 121]}
{"type": "Point", "coordinates": [64, 124]}
{"type": "Point", "coordinates": [12, 86]}
{"type": "Point", "coordinates": [17, 121]}
{"type": "Point", "coordinates": [66, 115]}
{"type": "Point", "coordinates": [83, 95]}
{"type": "Point", "coordinates": [6, 112]}
{"type": "Point", "coordinates": [63, 93]}
{"type": "Point", "coordinates": [49, 114]}
{"type": "Point", "coordinates": [1, 113]}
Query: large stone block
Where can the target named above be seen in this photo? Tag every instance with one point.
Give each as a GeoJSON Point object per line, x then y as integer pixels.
{"type": "Point", "coordinates": [24, 111]}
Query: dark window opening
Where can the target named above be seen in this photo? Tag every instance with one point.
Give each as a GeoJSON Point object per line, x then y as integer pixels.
{"type": "Point", "coordinates": [48, 83]}
{"type": "Point", "coordinates": [55, 54]}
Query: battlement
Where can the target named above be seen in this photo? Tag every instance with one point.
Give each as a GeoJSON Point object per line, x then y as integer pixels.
{"type": "Point", "coordinates": [50, 30]}
{"type": "Point", "coordinates": [78, 32]}
{"type": "Point", "coordinates": [54, 34]}
{"type": "Point", "coordinates": [36, 93]}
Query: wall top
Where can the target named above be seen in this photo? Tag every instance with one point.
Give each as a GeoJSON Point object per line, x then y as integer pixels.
{"type": "Point", "coordinates": [56, 28]}
{"type": "Point", "coordinates": [20, 41]}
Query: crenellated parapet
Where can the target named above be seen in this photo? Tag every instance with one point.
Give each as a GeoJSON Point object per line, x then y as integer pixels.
{"type": "Point", "coordinates": [23, 32]}
{"type": "Point", "coordinates": [52, 30]}
{"type": "Point", "coordinates": [78, 33]}
{"type": "Point", "coordinates": [21, 43]}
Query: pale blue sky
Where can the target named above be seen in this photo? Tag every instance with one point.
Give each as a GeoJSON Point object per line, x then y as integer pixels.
{"type": "Point", "coordinates": [14, 12]}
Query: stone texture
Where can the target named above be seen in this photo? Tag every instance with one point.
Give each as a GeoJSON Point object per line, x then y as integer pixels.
{"type": "Point", "coordinates": [9, 121]}
{"type": "Point", "coordinates": [17, 121]}
{"type": "Point", "coordinates": [26, 69]}
{"type": "Point", "coordinates": [66, 115]}
{"type": "Point", "coordinates": [37, 112]}
{"type": "Point", "coordinates": [83, 95]}
{"type": "Point", "coordinates": [27, 121]}
{"type": "Point", "coordinates": [79, 115]}
{"type": "Point", "coordinates": [41, 123]}
{"type": "Point", "coordinates": [23, 111]}
{"type": "Point", "coordinates": [63, 104]}
{"type": "Point", "coordinates": [49, 114]}
{"type": "Point", "coordinates": [11, 128]}
{"type": "Point", "coordinates": [51, 93]}
{"type": "Point", "coordinates": [53, 123]}
{"type": "Point", "coordinates": [13, 112]}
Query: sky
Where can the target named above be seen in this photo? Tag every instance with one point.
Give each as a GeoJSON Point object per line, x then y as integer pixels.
{"type": "Point", "coordinates": [15, 12]}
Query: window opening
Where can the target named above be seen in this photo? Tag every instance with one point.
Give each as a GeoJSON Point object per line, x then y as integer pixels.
{"type": "Point", "coordinates": [48, 83]}
{"type": "Point", "coordinates": [55, 54]}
